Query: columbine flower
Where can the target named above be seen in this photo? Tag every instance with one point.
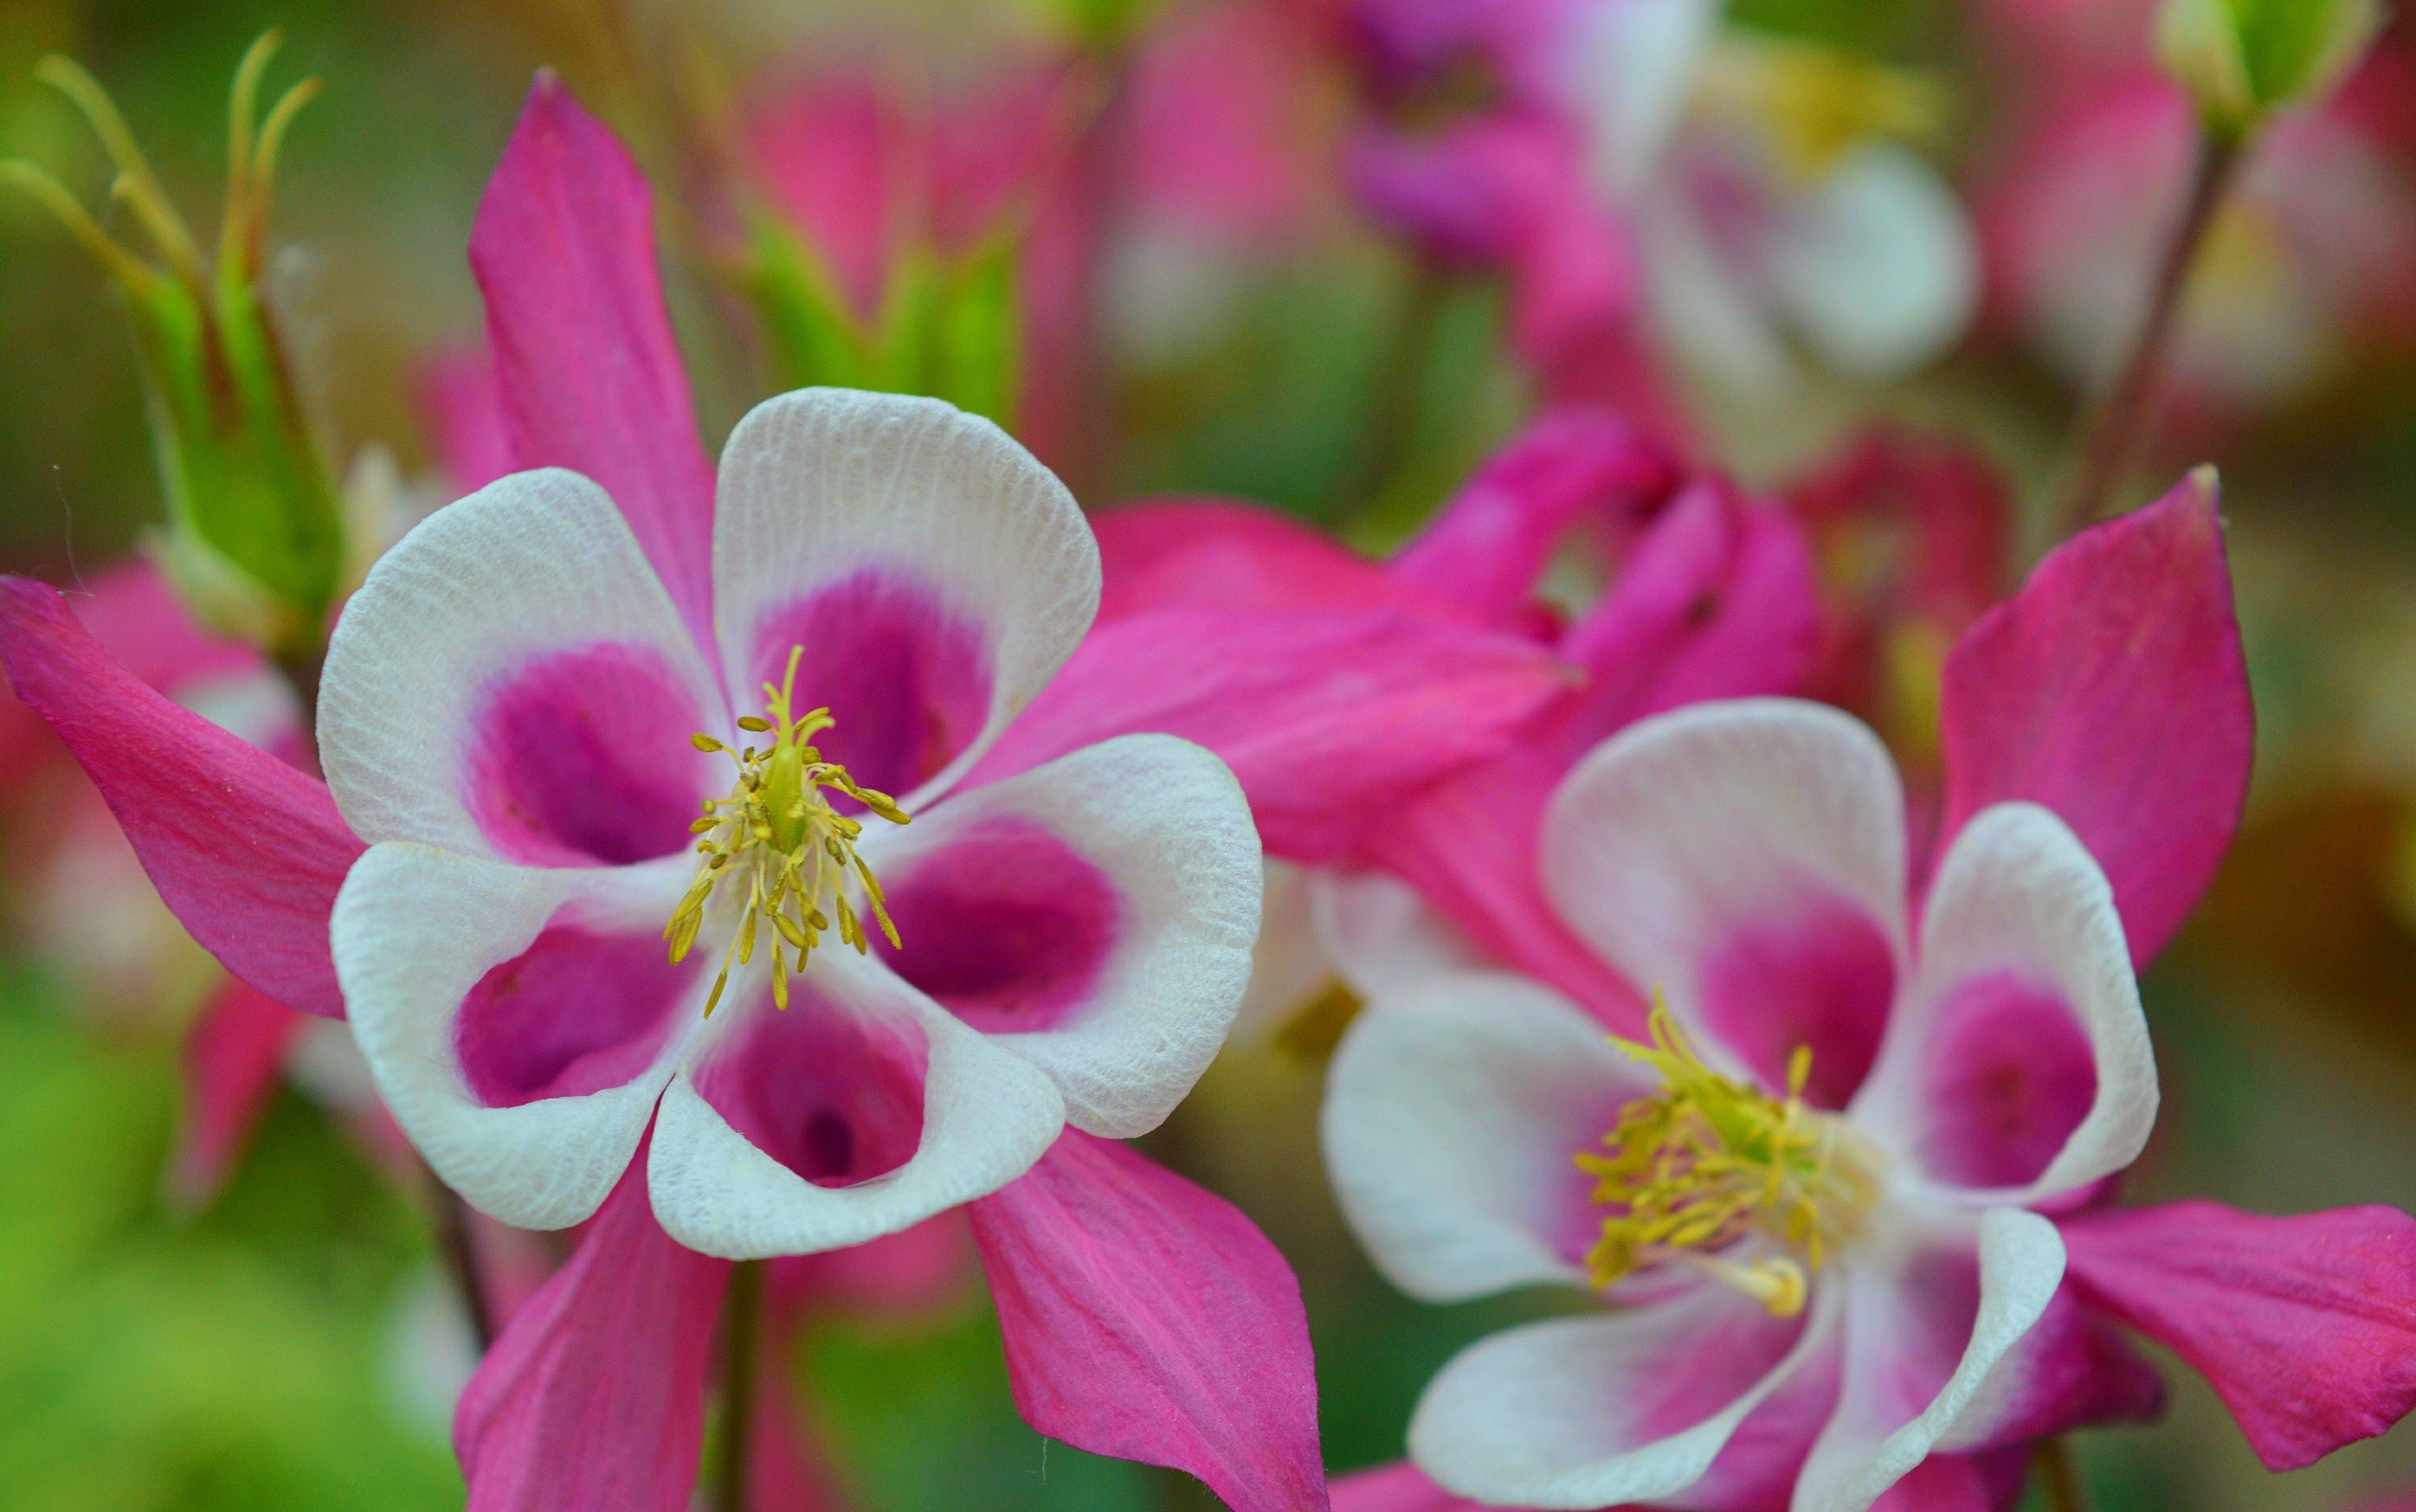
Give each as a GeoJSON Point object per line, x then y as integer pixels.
{"type": "Point", "coordinates": [1763, 187]}
{"type": "Point", "coordinates": [1829, 1193]}
{"type": "Point", "coordinates": [1839, 1206]}
{"type": "Point", "coordinates": [517, 717]}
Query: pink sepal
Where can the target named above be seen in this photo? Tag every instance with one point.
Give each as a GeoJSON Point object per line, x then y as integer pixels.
{"type": "Point", "coordinates": [247, 851]}
{"type": "Point", "coordinates": [2305, 1327]}
{"type": "Point", "coordinates": [588, 374]}
{"type": "Point", "coordinates": [1330, 721]}
{"type": "Point", "coordinates": [594, 1396]}
{"type": "Point", "coordinates": [1146, 1319]}
{"type": "Point", "coordinates": [233, 1055]}
{"type": "Point", "coordinates": [2112, 689]}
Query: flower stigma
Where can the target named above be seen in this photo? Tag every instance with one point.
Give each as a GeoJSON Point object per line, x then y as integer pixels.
{"type": "Point", "coordinates": [777, 832]}
{"type": "Point", "coordinates": [1710, 1162]}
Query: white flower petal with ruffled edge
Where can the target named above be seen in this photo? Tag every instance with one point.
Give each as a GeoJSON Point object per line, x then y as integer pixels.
{"type": "Point", "coordinates": [936, 574]}
{"type": "Point", "coordinates": [513, 670]}
{"type": "Point", "coordinates": [1632, 1406]}
{"type": "Point", "coordinates": [417, 929]}
{"type": "Point", "coordinates": [1381, 935]}
{"type": "Point", "coordinates": [1704, 849]}
{"type": "Point", "coordinates": [1094, 916]}
{"type": "Point", "coordinates": [1878, 1433]}
{"type": "Point", "coordinates": [2018, 899]}
{"type": "Point", "coordinates": [1453, 1112]}
{"type": "Point", "coordinates": [985, 1116]}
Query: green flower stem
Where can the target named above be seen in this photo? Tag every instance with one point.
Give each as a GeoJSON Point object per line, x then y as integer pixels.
{"type": "Point", "coordinates": [2122, 424]}
{"type": "Point", "coordinates": [2058, 1481]}
{"type": "Point", "coordinates": [742, 1318]}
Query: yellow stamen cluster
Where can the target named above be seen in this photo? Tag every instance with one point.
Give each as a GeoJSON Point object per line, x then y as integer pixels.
{"type": "Point", "coordinates": [1819, 104]}
{"type": "Point", "coordinates": [779, 832]}
{"type": "Point", "coordinates": [1710, 1162]}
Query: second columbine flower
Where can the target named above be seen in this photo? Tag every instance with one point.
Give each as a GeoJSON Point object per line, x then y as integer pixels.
{"type": "Point", "coordinates": [1810, 1201]}
{"type": "Point", "coordinates": [626, 840]}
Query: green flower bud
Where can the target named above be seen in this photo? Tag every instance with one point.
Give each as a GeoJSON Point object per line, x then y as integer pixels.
{"type": "Point", "coordinates": [255, 536]}
{"type": "Point", "coordinates": [2242, 60]}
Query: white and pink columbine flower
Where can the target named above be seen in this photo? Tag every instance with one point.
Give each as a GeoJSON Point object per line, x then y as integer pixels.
{"type": "Point", "coordinates": [1851, 1210]}
{"type": "Point", "coordinates": [1806, 1207]}
{"type": "Point", "coordinates": [857, 1021]}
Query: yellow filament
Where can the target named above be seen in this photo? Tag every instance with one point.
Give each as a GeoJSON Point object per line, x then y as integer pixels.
{"type": "Point", "coordinates": [1709, 1161]}
{"type": "Point", "coordinates": [779, 832]}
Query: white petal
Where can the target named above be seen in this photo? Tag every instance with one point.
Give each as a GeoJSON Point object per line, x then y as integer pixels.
{"type": "Point", "coordinates": [1632, 67]}
{"type": "Point", "coordinates": [1688, 832]}
{"type": "Point", "coordinates": [414, 930]}
{"type": "Point", "coordinates": [1289, 963]}
{"type": "Point", "coordinates": [1382, 937]}
{"type": "Point", "coordinates": [1878, 1435]}
{"type": "Point", "coordinates": [987, 1117]}
{"type": "Point", "coordinates": [1559, 1413]}
{"type": "Point", "coordinates": [533, 565]}
{"type": "Point", "coordinates": [1878, 265]}
{"type": "Point", "coordinates": [1709, 312]}
{"type": "Point", "coordinates": [1453, 1112]}
{"type": "Point", "coordinates": [2018, 894]}
{"type": "Point", "coordinates": [934, 508]}
{"type": "Point", "coordinates": [1157, 835]}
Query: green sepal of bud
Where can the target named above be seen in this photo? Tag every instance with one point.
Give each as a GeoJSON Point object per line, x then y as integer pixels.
{"type": "Point", "coordinates": [255, 537]}
{"type": "Point", "coordinates": [2242, 60]}
{"type": "Point", "coordinates": [948, 327]}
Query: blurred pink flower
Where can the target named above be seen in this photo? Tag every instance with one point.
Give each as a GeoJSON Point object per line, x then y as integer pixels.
{"type": "Point", "coordinates": [1987, 1065]}
{"type": "Point", "coordinates": [2302, 270]}
{"type": "Point", "coordinates": [1645, 178]}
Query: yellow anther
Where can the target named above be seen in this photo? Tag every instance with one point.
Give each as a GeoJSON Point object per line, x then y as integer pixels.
{"type": "Point", "coordinates": [1710, 1162]}
{"type": "Point", "coordinates": [795, 845]}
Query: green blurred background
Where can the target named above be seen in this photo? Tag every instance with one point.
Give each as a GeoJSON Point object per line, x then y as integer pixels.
{"type": "Point", "coordinates": [288, 1347]}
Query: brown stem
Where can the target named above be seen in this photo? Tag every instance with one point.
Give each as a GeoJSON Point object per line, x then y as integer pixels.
{"type": "Point", "coordinates": [2058, 1480]}
{"type": "Point", "coordinates": [2123, 421]}
{"type": "Point", "coordinates": [459, 1251]}
{"type": "Point", "coordinates": [742, 1315]}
